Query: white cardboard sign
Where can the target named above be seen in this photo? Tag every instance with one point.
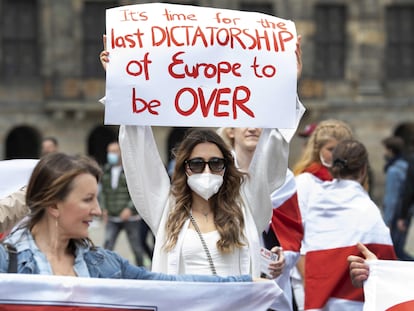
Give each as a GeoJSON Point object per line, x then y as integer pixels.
{"type": "Point", "coordinates": [181, 65]}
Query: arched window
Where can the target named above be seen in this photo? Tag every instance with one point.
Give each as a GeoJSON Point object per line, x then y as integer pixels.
{"type": "Point", "coordinates": [98, 140]}
{"type": "Point", "coordinates": [23, 142]}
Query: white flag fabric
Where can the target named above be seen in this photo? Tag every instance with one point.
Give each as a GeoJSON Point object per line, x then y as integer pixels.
{"type": "Point", "coordinates": [389, 286]}
{"type": "Point", "coordinates": [15, 174]}
{"type": "Point", "coordinates": [338, 215]}
{"type": "Point", "coordinates": [22, 292]}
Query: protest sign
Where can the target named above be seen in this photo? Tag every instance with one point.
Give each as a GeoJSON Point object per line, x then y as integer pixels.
{"type": "Point", "coordinates": [182, 65]}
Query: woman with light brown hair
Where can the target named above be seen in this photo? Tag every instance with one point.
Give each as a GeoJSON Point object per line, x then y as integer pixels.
{"type": "Point", "coordinates": [210, 218]}
{"type": "Point", "coordinates": [226, 204]}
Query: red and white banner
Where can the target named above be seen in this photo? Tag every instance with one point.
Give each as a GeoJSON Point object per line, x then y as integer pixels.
{"type": "Point", "coordinates": [287, 226]}
{"type": "Point", "coordinates": [389, 286]}
{"type": "Point", "coordinates": [54, 293]}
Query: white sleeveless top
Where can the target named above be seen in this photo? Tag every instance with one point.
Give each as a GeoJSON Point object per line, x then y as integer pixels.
{"type": "Point", "coordinates": [194, 259]}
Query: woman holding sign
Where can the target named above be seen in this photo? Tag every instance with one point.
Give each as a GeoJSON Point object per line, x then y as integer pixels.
{"type": "Point", "coordinates": [210, 217]}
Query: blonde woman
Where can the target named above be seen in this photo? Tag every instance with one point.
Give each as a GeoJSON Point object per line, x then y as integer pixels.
{"type": "Point", "coordinates": [317, 155]}
{"type": "Point", "coordinates": [313, 168]}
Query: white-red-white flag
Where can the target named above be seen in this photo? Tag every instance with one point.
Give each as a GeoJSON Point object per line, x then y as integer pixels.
{"type": "Point", "coordinates": [286, 219]}
{"type": "Point", "coordinates": [389, 286]}
{"type": "Point", "coordinates": [22, 292]}
{"type": "Point", "coordinates": [339, 215]}
{"type": "Point", "coordinates": [287, 226]}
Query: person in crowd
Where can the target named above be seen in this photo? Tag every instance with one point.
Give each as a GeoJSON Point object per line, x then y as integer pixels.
{"type": "Point", "coordinates": [49, 144]}
{"type": "Point", "coordinates": [119, 212]}
{"type": "Point", "coordinates": [62, 196]}
{"type": "Point", "coordinates": [316, 160]}
{"type": "Point", "coordinates": [203, 221]}
{"type": "Point", "coordinates": [209, 219]}
{"type": "Point", "coordinates": [340, 213]}
{"type": "Point", "coordinates": [395, 176]}
{"type": "Point", "coordinates": [211, 216]}
{"type": "Point", "coordinates": [317, 155]}
{"type": "Point", "coordinates": [242, 142]}
{"type": "Point", "coordinates": [405, 213]}
{"type": "Point", "coordinates": [285, 230]}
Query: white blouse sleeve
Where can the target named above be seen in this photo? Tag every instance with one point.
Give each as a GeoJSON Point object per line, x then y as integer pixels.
{"type": "Point", "coordinates": [267, 171]}
{"type": "Point", "coordinates": [147, 178]}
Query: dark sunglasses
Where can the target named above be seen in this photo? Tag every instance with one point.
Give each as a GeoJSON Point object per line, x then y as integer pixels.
{"type": "Point", "coordinates": [197, 165]}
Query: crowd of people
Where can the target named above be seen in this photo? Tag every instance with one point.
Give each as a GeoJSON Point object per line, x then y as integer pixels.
{"type": "Point", "coordinates": [221, 204]}
{"type": "Point", "coordinates": [228, 197]}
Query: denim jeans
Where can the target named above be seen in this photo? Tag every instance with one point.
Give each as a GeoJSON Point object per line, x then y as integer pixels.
{"type": "Point", "coordinates": [132, 229]}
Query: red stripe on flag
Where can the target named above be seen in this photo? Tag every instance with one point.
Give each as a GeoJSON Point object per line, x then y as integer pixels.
{"type": "Point", "coordinates": [287, 224]}
{"type": "Point", "coordinates": [405, 306]}
{"type": "Point", "coordinates": [327, 274]}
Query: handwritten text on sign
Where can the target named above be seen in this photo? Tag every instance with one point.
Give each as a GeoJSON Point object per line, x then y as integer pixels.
{"type": "Point", "coordinates": [180, 65]}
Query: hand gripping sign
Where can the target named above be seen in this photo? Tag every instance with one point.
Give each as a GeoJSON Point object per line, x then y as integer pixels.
{"type": "Point", "coordinates": [181, 65]}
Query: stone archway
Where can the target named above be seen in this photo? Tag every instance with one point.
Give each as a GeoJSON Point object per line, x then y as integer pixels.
{"type": "Point", "coordinates": [98, 140]}
{"type": "Point", "coordinates": [23, 142]}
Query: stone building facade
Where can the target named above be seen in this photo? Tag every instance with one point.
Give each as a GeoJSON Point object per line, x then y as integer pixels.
{"type": "Point", "coordinates": [358, 58]}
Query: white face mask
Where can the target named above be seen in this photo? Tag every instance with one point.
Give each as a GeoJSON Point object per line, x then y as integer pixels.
{"type": "Point", "coordinates": [324, 163]}
{"type": "Point", "coordinates": [205, 185]}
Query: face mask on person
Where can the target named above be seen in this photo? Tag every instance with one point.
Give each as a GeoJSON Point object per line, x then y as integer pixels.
{"type": "Point", "coordinates": [324, 163]}
{"type": "Point", "coordinates": [112, 158]}
{"type": "Point", "coordinates": [205, 185]}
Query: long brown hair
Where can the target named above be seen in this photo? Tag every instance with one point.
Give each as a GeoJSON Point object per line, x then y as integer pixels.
{"type": "Point", "coordinates": [226, 204]}
{"type": "Point", "coordinates": [51, 181]}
